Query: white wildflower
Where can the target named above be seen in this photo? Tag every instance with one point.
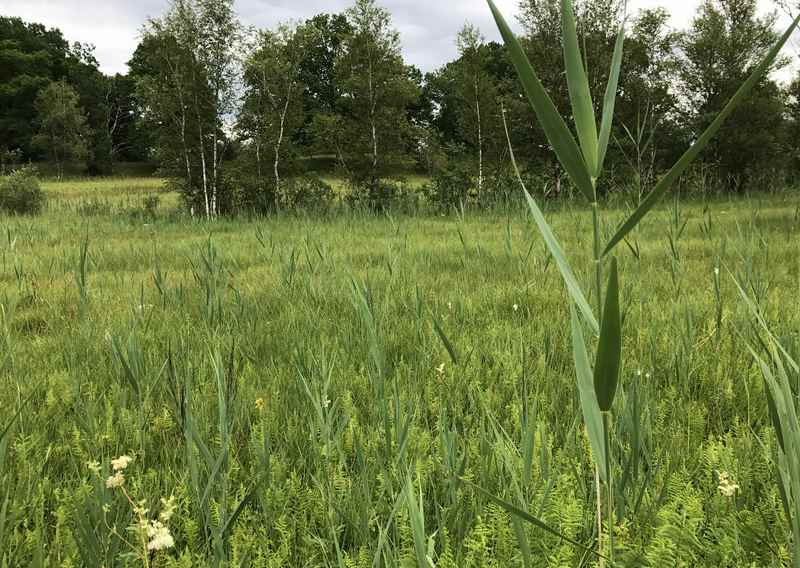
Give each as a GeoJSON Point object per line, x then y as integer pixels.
{"type": "Point", "coordinates": [94, 467]}
{"type": "Point", "coordinates": [450, 306]}
{"type": "Point", "coordinates": [159, 536]}
{"type": "Point", "coordinates": [121, 463]}
{"type": "Point", "coordinates": [326, 402]}
{"type": "Point", "coordinates": [515, 307]}
{"type": "Point", "coordinates": [716, 271]}
{"type": "Point", "coordinates": [167, 509]}
{"type": "Point", "coordinates": [727, 486]}
{"type": "Point", "coordinates": [116, 480]}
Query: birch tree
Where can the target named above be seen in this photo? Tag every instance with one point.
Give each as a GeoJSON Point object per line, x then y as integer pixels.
{"type": "Point", "coordinates": [376, 90]}
{"type": "Point", "coordinates": [188, 70]}
{"type": "Point", "coordinates": [273, 106]}
{"type": "Point", "coordinates": [62, 125]}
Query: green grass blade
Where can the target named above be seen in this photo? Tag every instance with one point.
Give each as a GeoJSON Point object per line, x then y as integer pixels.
{"type": "Point", "coordinates": [751, 305]}
{"type": "Point", "coordinates": [592, 416]}
{"type": "Point", "coordinates": [686, 160]}
{"type": "Point", "coordinates": [573, 287]}
{"type": "Point", "coordinates": [7, 428]}
{"type": "Point", "coordinates": [525, 516]}
{"type": "Point", "coordinates": [609, 350]}
{"type": "Point", "coordinates": [610, 99]}
{"type": "Point", "coordinates": [554, 127]}
{"type": "Point", "coordinates": [417, 520]}
{"type": "Point", "coordinates": [578, 83]}
{"type": "Point", "coordinates": [451, 349]}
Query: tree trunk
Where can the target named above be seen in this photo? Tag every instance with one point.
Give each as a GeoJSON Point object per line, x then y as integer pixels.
{"type": "Point", "coordinates": [480, 140]}
{"type": "Point", "coordinates": [278, 148]}
{"type": "Point", "coordinates": [373, 102]}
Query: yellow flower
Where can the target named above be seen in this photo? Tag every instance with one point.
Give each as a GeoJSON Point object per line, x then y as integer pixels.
{"type": "Point", "coordinates": [259, 404]}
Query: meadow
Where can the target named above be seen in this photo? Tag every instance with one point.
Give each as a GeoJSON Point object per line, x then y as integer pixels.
{"type": "Point", "coordinates": [364, 390]}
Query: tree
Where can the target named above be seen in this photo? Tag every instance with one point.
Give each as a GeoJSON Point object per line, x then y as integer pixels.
{"type": "Point", "coordinates": [474, 90]}
{"type": "Point", "coordinates": [469, 95]}
{"type": "Point", "coordinates": [273, 105]}
{"type": "Point", "coordinates": [186, 68]}
{"type": "Point", "coordinates": [648, 135]}
{"type": "Point", "coordinates": [370, 125]}
{"type": "Point", "coordinates": [726, 40]}
{"type": "Point", "coordinates": [31, 57]}
{"type": "Point", "coordinates": [129, 141]}
{"type": "Point", "coordinates": [62, 125]}
{"type": "Point", "coordinates": [325, 37]}
{"type": "Point", "coordinates": [793, 108]}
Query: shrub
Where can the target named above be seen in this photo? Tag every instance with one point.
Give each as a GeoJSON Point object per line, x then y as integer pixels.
{"type": "Point", "coordinates": [20, 193]}
{"type": "Point", "coordinates": [384, 195]}
{"type": "Point", "coordinates": [451, 186]}
{"type": "Point", "coordinates": [306, 193]}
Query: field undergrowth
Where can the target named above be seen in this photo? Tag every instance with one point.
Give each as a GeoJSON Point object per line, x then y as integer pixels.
{"type": "Point", "coordinates": [312, 390]}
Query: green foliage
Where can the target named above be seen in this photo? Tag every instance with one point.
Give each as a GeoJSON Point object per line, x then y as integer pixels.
{"type": "Point", "coordinates": [62, 125]}
{"type": "Point", "coordinates": [726, 41]}
{"type": "Point", "coordinates": [20, 193]}
{"type": "Point", "coordinates": [306, 194]}
{"type": "Point", "coordinates": [451, 186]}
{"type": "Point", "coordinates": [285, 408]}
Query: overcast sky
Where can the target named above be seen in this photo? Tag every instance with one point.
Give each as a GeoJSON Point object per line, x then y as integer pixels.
{"type": "Point", "coordinates": [427, 27]}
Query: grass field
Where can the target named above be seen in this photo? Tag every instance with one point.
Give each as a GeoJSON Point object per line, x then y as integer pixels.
{"type": "Point", "coordinates": [308, 390]}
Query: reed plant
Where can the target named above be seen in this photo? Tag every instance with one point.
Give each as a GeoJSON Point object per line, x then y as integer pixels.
{"type": "Point", "coordinates": [583, 157]}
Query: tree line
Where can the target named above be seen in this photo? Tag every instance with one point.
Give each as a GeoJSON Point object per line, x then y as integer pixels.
{"type": "Point", "coordinates": [241, 118]}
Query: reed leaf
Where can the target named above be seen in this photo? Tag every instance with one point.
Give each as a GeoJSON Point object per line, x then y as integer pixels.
{"type": "Point", "coordinates": [610, 99]}
{"type": "Point", "coordinates": [592, 416]}
{"type": "Point", "coordinates": [573, 287]}
{"type": "Point", "coordinates": [561, 139]}
{"type": "Point", "coordinates": [578, 85]}
{"type": "Point", "coordinates": [609, 350]}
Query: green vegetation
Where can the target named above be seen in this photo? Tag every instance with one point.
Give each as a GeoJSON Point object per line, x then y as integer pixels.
{"type": "Point", "coordinates": [404, 359]}
{"type": "Point", "coordinates": [310, 390]}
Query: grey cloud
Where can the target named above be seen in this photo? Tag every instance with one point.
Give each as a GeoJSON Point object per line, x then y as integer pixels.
{"type": "Point", "coordinates": [428, 27]}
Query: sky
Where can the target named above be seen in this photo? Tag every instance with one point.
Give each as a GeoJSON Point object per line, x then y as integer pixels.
{"type": "Point", "coordinates": [427, 27]}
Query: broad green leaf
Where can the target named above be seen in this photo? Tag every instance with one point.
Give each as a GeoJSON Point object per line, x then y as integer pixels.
{"type": "Point", "coordinates": [578, 83]}
{"type": "Point", "coordinates": [609, 102]}
{"type": "Point", "coordinates": [609, 350]}
{"type": "Point", "coordinates": [554, 127]}
{"type": "Point", "coordinates": [686, 160]}
{"type": "Point", "coordinates": [573, 287]}
{"type": "Point", "coordinates": [592, 416]}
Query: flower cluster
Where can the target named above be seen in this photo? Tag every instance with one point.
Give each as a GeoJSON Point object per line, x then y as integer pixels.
{"type": "Point", "coordinates": [117, 479]}
{"type": "Point", "coordinates": [154, 533]}
{"type": "Point", "coordinates": [727, 486]}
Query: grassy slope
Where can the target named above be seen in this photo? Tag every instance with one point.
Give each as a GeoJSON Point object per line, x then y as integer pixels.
{"type": "Point", "coordinates": [279, 297]}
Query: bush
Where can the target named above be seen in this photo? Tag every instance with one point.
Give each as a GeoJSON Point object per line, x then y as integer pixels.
{"type": "Point", "coordinates": [384, 195]}
{"type": "Point", "coordinates": [306, 194]}
{"type": "Point", "coordinates": [20, 193]}
{"type": "Point", "coordinates": [451, 186]}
